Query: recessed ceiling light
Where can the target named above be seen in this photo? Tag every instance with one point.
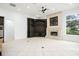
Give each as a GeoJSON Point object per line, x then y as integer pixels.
{"type": "Point", "coordinates": [28, 6]}
{"type": "Point", "coordinates": [18, 9]}
{"type": "Point", "coordinates": [53, 9]}
{"type": "Point", "coordinates": [37, 15]}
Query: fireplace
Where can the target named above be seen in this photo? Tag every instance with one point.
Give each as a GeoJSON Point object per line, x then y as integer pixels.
{"type": "Point", "coordinates": [54, 33]}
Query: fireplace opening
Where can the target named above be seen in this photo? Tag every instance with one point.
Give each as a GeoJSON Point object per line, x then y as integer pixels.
{"type": "Point", "coordinates": [54, 33]}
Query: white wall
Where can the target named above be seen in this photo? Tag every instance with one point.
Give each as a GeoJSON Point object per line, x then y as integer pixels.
{"type": "Point", "coordinates": [74, 38]}
{"type": "Point", "coordinates": [15, 25]}
{"type": "Point", "coordinates": [8, 30]}
{"type": "Point", "coordinates": [20, 23]}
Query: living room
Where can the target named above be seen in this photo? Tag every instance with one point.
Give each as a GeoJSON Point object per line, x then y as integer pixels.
{"type": "Point", "coordinates": [48, 29]}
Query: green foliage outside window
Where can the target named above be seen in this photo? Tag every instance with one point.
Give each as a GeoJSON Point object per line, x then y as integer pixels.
{"type": "Point", "coordinates": [72, 26]}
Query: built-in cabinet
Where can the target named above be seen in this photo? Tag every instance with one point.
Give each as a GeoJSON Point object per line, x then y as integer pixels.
{"type": "Point", "coordinates": [1, 32]}
{"type": "Point", "coordinates": [37, 27]}
{"type": "Point", "coordinates": [1, 27]}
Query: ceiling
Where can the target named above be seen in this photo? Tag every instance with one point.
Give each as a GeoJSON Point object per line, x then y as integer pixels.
{"type": "Point", "coordinates": [34, 9]}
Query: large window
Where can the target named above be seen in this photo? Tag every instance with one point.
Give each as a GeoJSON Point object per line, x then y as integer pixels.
{"type": "Point", "coordinates": [72, 24]}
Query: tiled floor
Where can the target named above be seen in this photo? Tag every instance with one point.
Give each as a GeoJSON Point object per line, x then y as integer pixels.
{"type": "Point", "coordinates": [40, 47]}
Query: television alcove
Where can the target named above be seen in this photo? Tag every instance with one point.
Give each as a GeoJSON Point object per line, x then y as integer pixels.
{"type": "Point", "coordinates": [54, 21]}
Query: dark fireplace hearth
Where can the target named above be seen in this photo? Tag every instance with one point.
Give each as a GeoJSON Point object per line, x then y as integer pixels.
{"type": "Point", "coordinates": [54, 33]}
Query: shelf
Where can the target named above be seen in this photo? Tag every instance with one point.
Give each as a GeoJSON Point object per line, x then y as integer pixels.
{"type": "Point", "coordinates": [1, 25]}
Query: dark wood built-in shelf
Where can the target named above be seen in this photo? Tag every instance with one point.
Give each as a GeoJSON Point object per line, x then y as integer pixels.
{"type": "Point", "coordinates": [37, 27]}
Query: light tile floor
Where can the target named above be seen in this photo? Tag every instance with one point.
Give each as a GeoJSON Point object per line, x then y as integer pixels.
{"type": "Point", "coordinates": [40, 47]}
